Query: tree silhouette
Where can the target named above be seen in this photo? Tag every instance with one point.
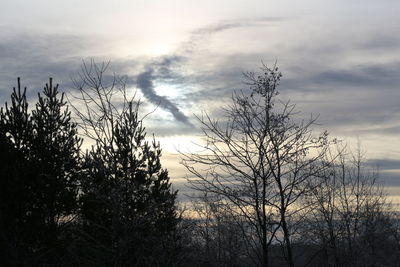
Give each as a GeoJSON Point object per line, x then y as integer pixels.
{"type": "Point", "coordinates": [55, 152]}
{"type": "Point", "coordinates": [41, 195]}
{"type": "Point", "coordinates": [259, 163]}
{"type": "Point", "coordinates": [128, 208]}
{"type": "Point", "coordinates": [349, 217]}
{"type": "Point", "coordinates": [16, 219]}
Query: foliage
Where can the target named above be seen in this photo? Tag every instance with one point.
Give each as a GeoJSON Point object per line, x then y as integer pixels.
{"type": "Point", "coordinates": [39, 181]}
{"type": "Point", "coordinates": [128, 209]}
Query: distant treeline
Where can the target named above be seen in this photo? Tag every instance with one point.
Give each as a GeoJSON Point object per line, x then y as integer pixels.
{"type": "Point", "coordinates": [269, 191]}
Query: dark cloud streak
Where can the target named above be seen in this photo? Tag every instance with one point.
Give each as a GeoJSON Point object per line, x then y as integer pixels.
{"type": "Point", "coordinates": [145, 84]}
{"type": "Point", "coordinates": [162, 68]}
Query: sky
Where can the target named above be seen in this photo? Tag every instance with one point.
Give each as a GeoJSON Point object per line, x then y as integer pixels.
{"type": "Point", "coordinates": [339, 59]}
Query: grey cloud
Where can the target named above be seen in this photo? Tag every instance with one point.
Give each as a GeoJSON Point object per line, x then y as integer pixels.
{"type": "Point", "coordinates": [162, 69]}
{"type": "Point", "coordinates": [389, 178]}
{"type": "Point", "coordinates": [381, 42]}
{"type": "Point", "coordinates": [341, 77]}
{"type": "Point", "coordinates": [389, 170]}
{"type": "Point", "coordinates": [318, 86]}
{"type": "Point", "coordinates": [35, 58]}
{"type": "Point", "coordinates": [365, 95]}
{"type": "Point", "coordinates": [365, 76]}
{"type": "Point", "coordinates": [59, 56]}
{"type": "Point", "coordinates": [326, 88]}
{"type": "Point", "coordinates": [145, 84]}
{"type": "Point", "coordinates": [379, 128]}
{"type": "Point", "coordinates": [165, 65]}
{"type": "Point", "coordinates": [218, 83]}
{"type": "Point", "coordinates": [362, 76]}
{"type": "Point", "coordinates": [387, 164]}
{"type": "Point", "coordinates": [200, 35]}
{"type": "Point", "coordinates": [227, 25]}
{"type": "Point", "coordinates": [217, 28]}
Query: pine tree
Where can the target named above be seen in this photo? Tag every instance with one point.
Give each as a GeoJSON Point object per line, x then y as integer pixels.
{"type": "Point", "coordinates": [55, 151]}
{"type": "Point", "coordinates": [128, 205]}
{"type": "Point", "coordinates": [128, 210]}
{"type": "Point", "coordinates": [40, 181]}
{"type": "Point", "coordinates": [16, 221]}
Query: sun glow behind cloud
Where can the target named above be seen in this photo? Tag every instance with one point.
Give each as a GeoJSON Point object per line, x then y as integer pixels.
{"type": "Point", "coordinates": [157, 49]}
{"type": "Point", "coordinates": [168, 90]}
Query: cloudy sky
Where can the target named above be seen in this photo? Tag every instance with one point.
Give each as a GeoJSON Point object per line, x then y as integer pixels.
{"type": "Point", "coordinates": [340, 59]}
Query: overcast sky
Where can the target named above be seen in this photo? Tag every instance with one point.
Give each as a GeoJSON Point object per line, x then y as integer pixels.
{"type": "Point", "coordinates": [339, 59]}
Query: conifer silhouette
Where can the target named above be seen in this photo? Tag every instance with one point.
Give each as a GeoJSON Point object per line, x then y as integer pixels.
{"type": "Point", "coordinates": [41, 174]}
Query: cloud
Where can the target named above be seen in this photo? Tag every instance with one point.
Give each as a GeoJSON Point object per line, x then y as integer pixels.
{"type": "Point", "coordinates": [35, 57]}
{"type": "Point", "coordinates": [352, 83]}
{"type": "Point", "coordinates": [363, 87]}
{"type": "Point", "coordinates": [227, 25]}
{"type": "Point", "coordinates": [364, 75]}
{"type": "Point", "coordinates": [162, 69]}
{"type": "Point", "coordinates": [146, 85]}
{"type": "Point", "coordinates": [201, 35]}
{"type": "Point", "coordinates": [381, 42]}
{"type": "Point", "coordinates": [390, 178]}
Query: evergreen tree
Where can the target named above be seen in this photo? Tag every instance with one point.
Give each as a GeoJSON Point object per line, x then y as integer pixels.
{"type": "Point", "coordinates": [55, 152]}
{"type": "Point", "coordinates": [17, 235]}
{"type": "Point", "coordinates": [39, 185]}
{"type": "Point", "coordinates": [128, 209]}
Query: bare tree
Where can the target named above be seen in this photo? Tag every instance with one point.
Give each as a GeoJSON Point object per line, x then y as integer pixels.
{"type": "Point", "coordinates": [259, 162]}
{"type": "Point", "coordinates": [348, 205]}
{"type": "Point", "coordinates": [216, 236]}
{"type": "Point", "coordinates": [101, 100]}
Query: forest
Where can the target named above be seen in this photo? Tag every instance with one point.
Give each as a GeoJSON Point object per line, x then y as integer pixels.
{"type": "Point", "coordinates": [82, 184]}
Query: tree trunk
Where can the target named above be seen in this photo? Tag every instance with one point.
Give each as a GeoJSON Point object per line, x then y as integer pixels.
{"type": "Point", "coordinates": [264, 248]}
{"type": "Point", "coordinates": [287, 241]}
